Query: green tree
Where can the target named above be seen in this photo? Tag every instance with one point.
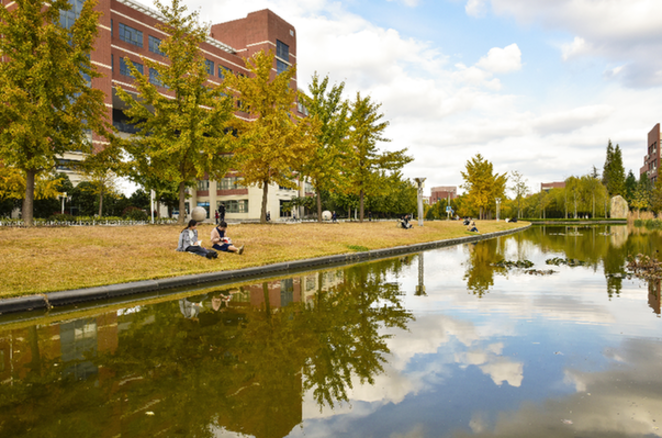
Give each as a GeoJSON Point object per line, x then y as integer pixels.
{"type": "Point", "coordinates": [275, 143]}
{"type": "Point", "coordinates": [324, 167]}
{"type": "Point", "coordinates": [363, 162]}
{"type": "Point", "coordinates": [656, 197]}
{"type": "Point", "coordinates": [47, 106]}
{"type": "Point", "coordinates": [183, 136]}
{"type": "Point", "coordinates": [630, 187]}
{"type": "Point", "coordinates": [101, 169]}
{"type": "Point", "coordinates": [520, 189]}
{"type": "Point", "coordinates": [642, 196]}
{"type": "Point", "coordinates": [483, 186]}
{"type": "Point", "coordinates": [613, 175]}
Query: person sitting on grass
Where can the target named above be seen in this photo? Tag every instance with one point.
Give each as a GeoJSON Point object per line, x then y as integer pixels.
{"type": "Point", "coordinates": [221, 242]}
{"type": "Point", "coordinates": [188, 241]}
{"type": "Point", "coordinates": [472, 227]}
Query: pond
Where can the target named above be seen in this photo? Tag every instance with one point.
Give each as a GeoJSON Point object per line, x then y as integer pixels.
{"type": "Point", "coordinates": [452, 342]}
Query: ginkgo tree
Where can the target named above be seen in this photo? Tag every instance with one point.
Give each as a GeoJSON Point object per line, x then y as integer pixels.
{"type": "Point", "coordinates": [483, 186]}
{"type": "Point", "coordinates": [47, 106]}
{"type": "Point", "coordinates": [364, 163]}
{"type": "Point", "coordinates": [182, 118]}
{"type": "Point", "coordinates": [275, 144]}
{"type": "Point", "coordinates": [324, 168]}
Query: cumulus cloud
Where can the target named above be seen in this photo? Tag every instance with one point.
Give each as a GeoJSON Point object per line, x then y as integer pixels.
{"type": "Point", "coordinates": [623, 31]}
{"type": "Point", "coordinates": [500, 60]}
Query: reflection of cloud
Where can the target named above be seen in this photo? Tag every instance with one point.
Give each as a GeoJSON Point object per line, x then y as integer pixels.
{"type": "Point", "coordinates": [504, 370]}
{"type": "Point", "coordinates": [624, 400]}
{"type": "Point", "coordinates": [418, 431]}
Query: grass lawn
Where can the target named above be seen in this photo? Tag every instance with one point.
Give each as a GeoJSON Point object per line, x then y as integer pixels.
{"type": "Point", "coordinates": [39, 260]}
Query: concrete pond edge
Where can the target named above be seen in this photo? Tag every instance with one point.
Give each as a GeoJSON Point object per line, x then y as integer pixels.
{"type": "Point", "coordinates": [50, 300]}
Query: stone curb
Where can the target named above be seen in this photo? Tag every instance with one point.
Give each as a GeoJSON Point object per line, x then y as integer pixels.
{"type": "Point", "coordinates": [75, 296]}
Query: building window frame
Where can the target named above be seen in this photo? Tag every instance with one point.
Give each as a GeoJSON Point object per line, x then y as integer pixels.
{"type": "Point", "coordinates": [131, 35]}
{"type": "Point", "coordinates": [126, 71]}
{"type": "Point", "coordinates": [282, 51]}
{"type": "Point", "coordinates": [154, 44]}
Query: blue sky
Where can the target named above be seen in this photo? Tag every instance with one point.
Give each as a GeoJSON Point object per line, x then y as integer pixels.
{"type": "Point", "coordinates": [537, 86]}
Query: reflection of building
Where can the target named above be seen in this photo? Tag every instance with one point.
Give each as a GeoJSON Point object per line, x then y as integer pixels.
{"type": "Point", "coordinates": [651, 165]}
{"type": "Point", "coordinates": [546, 187]}
{"type": "Point", "coordinates": [444, 192]}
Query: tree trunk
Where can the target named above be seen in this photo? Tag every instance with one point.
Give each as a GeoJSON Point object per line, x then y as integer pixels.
{"type": "Point", "coordinates": [28, 200]}
{"type": "Point", "coordinates": [182, 203]}
{"type": "Point", "coordinates": [101, 203]}
{"type": "Point", "coordinates": [265, 192]}
{"type": "Point", "coordinates": [361, 206]}
{"type": "Point", "coordinates": [319, 207]}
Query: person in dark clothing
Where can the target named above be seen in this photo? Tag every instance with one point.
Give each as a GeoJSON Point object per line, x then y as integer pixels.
{"type": "Point", "coordinates": [221, 211]}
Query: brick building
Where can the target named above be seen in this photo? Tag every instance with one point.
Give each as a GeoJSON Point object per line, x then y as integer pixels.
{"type": "Point", "coordinates": [651, 165]}
{"type": "Point", "coordinates": [445, 192]}
{"type": "Point", "coordinates": [546, 187]}
{"type": "Point", "coordinates": [128, 29]}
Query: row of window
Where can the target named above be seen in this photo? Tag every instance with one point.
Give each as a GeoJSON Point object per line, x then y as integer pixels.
{"type": "Point", "coordinates": [154, 77]}
{"type": "Point", "coordinates": [228, 183]}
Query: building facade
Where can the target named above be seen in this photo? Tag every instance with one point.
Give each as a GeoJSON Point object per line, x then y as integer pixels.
{"type": "Point", "coordinates": [128, 29]}
{"type": "Point", "coordinates": [440, 193]}
{"type": "Point", "coordinates": [546, 187]}
{"type": "Point", "coordinates": [651, 167]}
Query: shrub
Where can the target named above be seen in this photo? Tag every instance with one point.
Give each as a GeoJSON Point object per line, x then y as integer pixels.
{"type": "Point", "coordinates": [134, 214]}
{"type": "Point", "coordinates": [61, 217]}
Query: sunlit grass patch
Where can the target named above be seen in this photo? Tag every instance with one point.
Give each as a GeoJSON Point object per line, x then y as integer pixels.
{"type": "Point", "coordinates": [41, 260]}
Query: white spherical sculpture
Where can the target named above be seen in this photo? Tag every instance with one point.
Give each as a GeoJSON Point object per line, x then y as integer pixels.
{"type": "Point", "coordinates": [326, 215]}
{"type": "Point", "coordinates": [199, 214]}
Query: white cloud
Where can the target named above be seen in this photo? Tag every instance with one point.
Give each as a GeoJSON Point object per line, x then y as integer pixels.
{"type": "Point", "coordinates": [625, 31]}
{"type": "Point", "coordinates": [500, 60]}
{"type": "Point", "coordinates": [475, 8]}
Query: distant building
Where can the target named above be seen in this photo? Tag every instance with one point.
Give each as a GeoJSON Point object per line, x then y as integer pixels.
{"type": "Point", "coordinates": [652, 158]}
{"type": "Point", "coordinates": [445, 192]}
{"type": "Point", "coordinates": [546, 187]}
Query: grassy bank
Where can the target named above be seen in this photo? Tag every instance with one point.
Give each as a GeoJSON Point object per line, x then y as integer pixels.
{"type": "Point", "coordinates": [42, 260]}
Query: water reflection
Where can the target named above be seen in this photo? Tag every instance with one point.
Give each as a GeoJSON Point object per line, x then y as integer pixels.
{"type": "Point", "coordinates": [236, 360]}
{"type": "Point", "coordinates": [443, 343]}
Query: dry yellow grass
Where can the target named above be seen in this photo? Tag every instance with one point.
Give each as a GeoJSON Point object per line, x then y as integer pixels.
{"type": "Point", "coordinates": [42, 260]}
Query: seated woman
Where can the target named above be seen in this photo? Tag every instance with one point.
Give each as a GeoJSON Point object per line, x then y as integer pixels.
{"type": "Point", "coordinates": [221, 242]}
{"type": "Point", "coordinates": [188, 241]}
{"type": "Point", "coordinates": [472, 227]}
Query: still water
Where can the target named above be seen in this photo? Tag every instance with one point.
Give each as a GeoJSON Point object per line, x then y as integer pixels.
{"type": "Point", "coordinates": [445, 343]}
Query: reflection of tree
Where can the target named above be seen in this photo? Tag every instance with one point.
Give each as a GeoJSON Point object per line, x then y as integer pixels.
{"type": "Point", "coordinates": [344, 330]}
{"type": "Point", "coordinates": [244, 372]}
{"type": "Point", "coordinates": [480, 273]}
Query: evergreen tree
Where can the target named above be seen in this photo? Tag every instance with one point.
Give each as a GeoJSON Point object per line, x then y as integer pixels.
{"type": "Point", "coordinates": [656, 198]}
{"type": "Point", "coordinates": [613, 175]}
{"type": "Point", "coordinates": [47, 106]}
{"type": "Point", "coordinates": [363, 162]}
{"type": "Point", "coordinates": [324, 167]}
{"type": "Point", "coordinates": [184, 136]}
{"type": "Point", "coordinates": [630, 187]}
{"type": "Point", "coordinates": [275, 143]}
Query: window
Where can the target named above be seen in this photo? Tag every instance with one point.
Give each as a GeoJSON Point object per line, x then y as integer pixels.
{"type": "Point", "coordinates": [112, 62]}
{"type": "Point", "coordinates": [68, 18]}
{"type": "Point", "coordinates": [282, 51]}
{"type": "Point", "coordinates": [131, 35]}
{"type": "Point", "coordinates": [154, 45]}
{"type": "Point", "coordinates": [154, 77]}
{"type": "Point", "coordinates": [111, 28]}
{"type": "Point", "coordinates": [210, 67]}
{"type": "Point", "coordinates": [203, 185]}
{"type": "Point", "coordinates": [231, 183]}
{"type": "Point", "coordinates": [302, 108]}
{"type": "Point", "coordinates": [124, 67]}
{"type": "Point", "coordinates": [222, 71]}
{"type": "Point", "coordinates": [308, 187]}
{"type": "Point", "coordinates": [240, 206]}
{"type": "Point", "coordinates": [281, 66]}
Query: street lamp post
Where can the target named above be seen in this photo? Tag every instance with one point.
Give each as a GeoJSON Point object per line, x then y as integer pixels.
{"type": "Point", "coordinates": [420, 182]}
{"type": "Point", "coordinates": [498, 202]}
